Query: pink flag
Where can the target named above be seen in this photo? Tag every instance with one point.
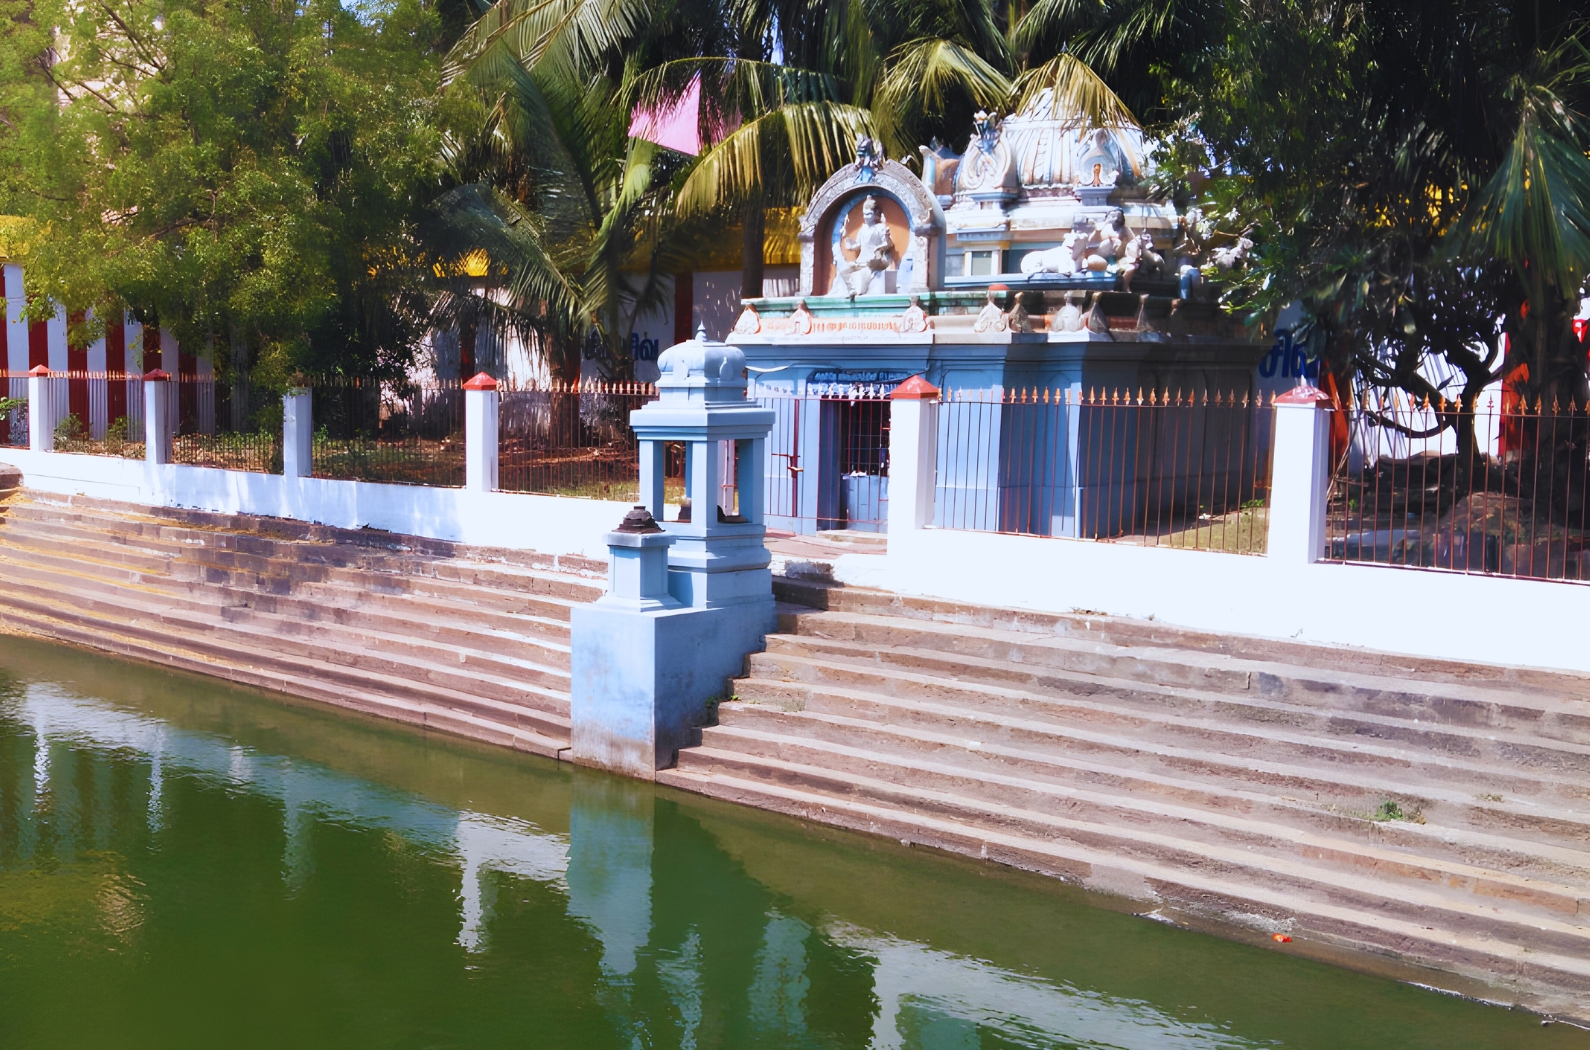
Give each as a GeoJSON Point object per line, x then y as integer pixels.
{"type": "Point", "coordinates": [676, 127]}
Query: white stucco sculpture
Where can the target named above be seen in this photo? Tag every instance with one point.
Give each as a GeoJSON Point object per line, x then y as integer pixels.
{"type": "Point", "coordinates": [875, 255]}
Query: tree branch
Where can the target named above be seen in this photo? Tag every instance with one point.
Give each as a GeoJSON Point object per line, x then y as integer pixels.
{"type": "Point", "coordinates": [1392, 424]}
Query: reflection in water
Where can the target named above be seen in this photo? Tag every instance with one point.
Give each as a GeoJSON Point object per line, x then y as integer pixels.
{"type": "Point", "coordinates": [633, 929]}
{"type": "Point", "coordinates": [922, 991]}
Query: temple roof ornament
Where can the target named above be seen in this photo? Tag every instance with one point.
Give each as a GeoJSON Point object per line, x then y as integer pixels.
{"type": "Point", "coordinates": [1042, 197]}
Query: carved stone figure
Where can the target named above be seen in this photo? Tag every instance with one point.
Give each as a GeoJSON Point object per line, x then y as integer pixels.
{"type": "Point", "coordinates": [1107, 242]}
{"type": "Point", "coordinates": [1061, 259]}
{"type": "Point", "coordinates": [987, 128]}
{"type": "Point", "coordinates": [991, 318]}
{"type": "Point", "coordinates": [875, 253]}
{"type": "Point", "coordinates": [914, 319]}
{"type": "Point", "coordinates": [1232, 255]}
{"type": "Point", "coordinates": [869, 156]}
{"type": "Point", "coordinates": [1069, 318]}
{"type": "Point", "coordinates": [1076, 242]}
{"type": "Point", "coordinates": [1140, 257]}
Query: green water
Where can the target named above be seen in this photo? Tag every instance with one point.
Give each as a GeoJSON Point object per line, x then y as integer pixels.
{"type": "Point", "coordinates": [188, 865]}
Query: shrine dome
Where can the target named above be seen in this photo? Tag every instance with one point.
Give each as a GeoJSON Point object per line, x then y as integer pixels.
{"type": "Point", "coordinates": [1048, 148]}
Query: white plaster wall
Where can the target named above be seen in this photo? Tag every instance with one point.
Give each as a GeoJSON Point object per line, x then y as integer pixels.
{"type": "Point", "coordinates": [519, 521]}
{"type": "Point", "coordinates": [716, 295]}
{"type": "Point", "coordinates": [1419, 612]}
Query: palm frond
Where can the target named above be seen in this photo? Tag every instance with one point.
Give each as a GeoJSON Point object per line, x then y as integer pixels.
{"type": "Point", "coordinates": [732, 89]}
{"type": "Point", "coordinates": [924, 75]}
{"type": "Point", "coordinates": [1050, 24]}
{"type": "Point", "coordinates": [813, 138]}
{"type": "Point", "coordinates": [477, 217]}
{"type": "Point", "coordinates": [1535, 211]}
{"type": "Point", "coordinates": [1073, 90]}
{"type": "Point", "coordinates": [563, 37]}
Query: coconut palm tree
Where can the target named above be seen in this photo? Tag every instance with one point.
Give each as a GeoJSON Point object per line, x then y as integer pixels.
{"type": "Point", "coordinates": [573, 214]}
{"type": "Point", "coordinates": [903, 72]}
{"type": "Point", "coordinates": [566, 204]}
{"type": "Point", "coordinates": [1533, 215]}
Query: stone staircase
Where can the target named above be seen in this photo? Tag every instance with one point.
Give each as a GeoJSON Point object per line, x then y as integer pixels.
{"type": "Point", "coordinates": [463, 640]}
{"type": "Point", "coordinates": [1433, 813]}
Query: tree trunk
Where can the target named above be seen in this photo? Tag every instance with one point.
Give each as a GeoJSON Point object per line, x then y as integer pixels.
{"type": "Point", "coordinates": [240, 391]}
{"type": "Point", "coordinates": [754, 231]}
{"type": "Point", "coordinates": [466, 350]}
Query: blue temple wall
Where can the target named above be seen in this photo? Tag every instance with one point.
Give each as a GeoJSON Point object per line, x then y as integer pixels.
{"type": "Point", "coordinates": [1056, 468]}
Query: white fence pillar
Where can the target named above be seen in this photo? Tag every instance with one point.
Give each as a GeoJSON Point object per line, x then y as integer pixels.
{"type": "Point", "coordinates": [158, 416]}
{"type": "Point", "coordinates": [298, 433]}
{"type": "Point", "coordinates": [41, 409]}
{"type": "Point", "coordinates": [913, 454]}
{"type": "Point", "coordinates": [1300, 474]}
{"type": "Point", "coordinates": [481, 404]}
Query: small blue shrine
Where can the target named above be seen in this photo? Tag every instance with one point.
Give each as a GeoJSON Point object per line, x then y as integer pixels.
{"type": "Point", "coordinates": [1037, 259]}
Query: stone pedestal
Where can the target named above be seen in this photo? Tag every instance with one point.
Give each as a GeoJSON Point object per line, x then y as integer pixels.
{"type": "Point", "coordinates": [41, 409]}
{"type": "Point", "coordinates": [1299, 477]}
{"type": "Point", "coordinates": [298, 433]}
{"type": "Point", "coordinates": [482, 406]}
{"type": "Point", "coordinates": [646, 668]}
{"type": "Point", "coordinates": [157, 418]}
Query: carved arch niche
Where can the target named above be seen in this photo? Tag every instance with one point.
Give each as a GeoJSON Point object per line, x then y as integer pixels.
{"type": "Point", "coordinates": [903, 200]}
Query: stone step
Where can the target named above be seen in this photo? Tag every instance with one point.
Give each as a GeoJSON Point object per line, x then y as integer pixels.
{"type": "Point", "coordinates": [536, 735]}
{"type": "Point", "coordinates": [1217, 814]}
{"type": "Point", "coordinates": [336, 542]}
{"type": "Point", "coordinates": [345, 605]}
{"type": "Point", "coordinates": [264, 553]}
{"type": "Point", "coordinates": [1529, 811]}
{"type": "Point", "coordinates": [529, 661]}
{"type": "Point", "coordinates": [1473, 899]}
{"type": "Point", "coordinates": [970, 650]}
{"type": "Point", "coordinates": [309, 563]}
{"type": "Point", "coordinates": [1551, 953]}
{"type": "Point", "coordinates": [1227, 723]}
{"type": "Point", "coordinates": [459, 687]}
{"type": "Point", "coordinates": [1149, 634]}
{"type": "Point", "coordinates": [523, 729]}
{"type": "Point", "coordinates": [1494, 709]}
{"type": "Point", "coordinates": [339, 585]}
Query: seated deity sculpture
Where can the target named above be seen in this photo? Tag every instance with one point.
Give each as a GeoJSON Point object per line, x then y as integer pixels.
{"type": "Point", "coordinates": [875, 254]}
{"type": "Point", "coordinates": [1107, 242]}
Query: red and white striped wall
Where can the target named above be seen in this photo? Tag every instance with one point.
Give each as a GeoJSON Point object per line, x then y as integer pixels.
{"type": "Point", "coordinates": [126, 349]}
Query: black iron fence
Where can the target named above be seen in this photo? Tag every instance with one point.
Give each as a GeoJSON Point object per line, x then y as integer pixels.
{"type": "Point", "coordinates": [390, 430]}
{"type": "Point", "coordinates": [1500, 488]}
{"type": "Point", "coordinates": [102, 414]}
{"type": "Point", "coordinates": [1165, 468]}
{"type": "Point", "coordinates": [574, 439]}
{"type": "Point", "coordinates": [13, 409]}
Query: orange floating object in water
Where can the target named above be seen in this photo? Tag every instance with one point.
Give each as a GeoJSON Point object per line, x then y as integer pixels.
{"type": "Point", "coordinates": [1283, 938]}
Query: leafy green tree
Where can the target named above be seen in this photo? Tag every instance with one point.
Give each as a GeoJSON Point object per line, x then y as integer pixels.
{"type": "Point", "coordinates": [1410, 173]}
{"type": "Point", "coordinates": [248, 173]}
